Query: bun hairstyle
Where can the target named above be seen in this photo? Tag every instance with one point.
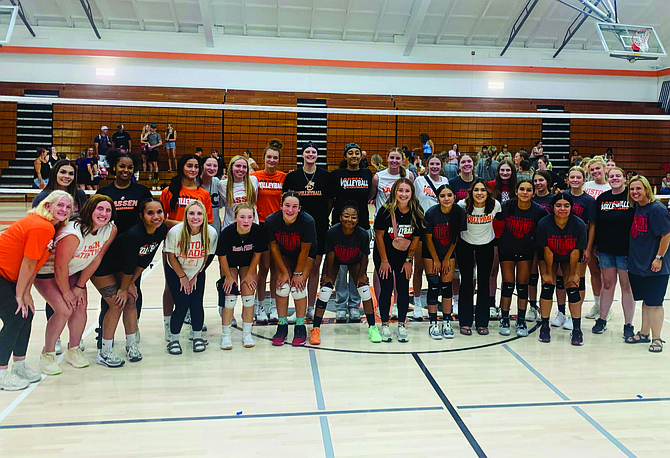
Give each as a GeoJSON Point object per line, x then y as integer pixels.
{"type": "Point", "coordinates": [274, 145]}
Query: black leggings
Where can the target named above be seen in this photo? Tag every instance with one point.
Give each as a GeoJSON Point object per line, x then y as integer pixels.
{"type": "Point", "coordinates": [15, 332]}
{"type": "Point", "coordinates": [466, 254]}
{"type": "Point", "coordinates": [104, 306]}
{"type": "Point", "coordinates": [401, 285]}
{"type": "Point", "coordinates": [184, 302]}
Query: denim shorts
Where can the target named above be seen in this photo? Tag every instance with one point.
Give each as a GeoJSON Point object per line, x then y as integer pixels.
{"type": "Point", "coordinates": [610, 261]}
{"type": "Point", "coordinates": [169, 145]}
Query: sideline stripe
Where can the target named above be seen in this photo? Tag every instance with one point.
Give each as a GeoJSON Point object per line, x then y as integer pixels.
{"type": "Point", "coordinates": [450, 407]}
{"type": "Point", "coordinates": [318, 413]}
{"type": "Point", "coordinates": [561, 395]}
{"type": "Point", "coordinates": [559, 403]}
{"type": "Point", "coordinates": [321, 405]}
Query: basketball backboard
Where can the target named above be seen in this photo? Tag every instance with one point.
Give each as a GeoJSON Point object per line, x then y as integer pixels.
{"type": "Point", "coordinates": [632, 42]}
{"type": "Point", "coordinates": [7, 20]}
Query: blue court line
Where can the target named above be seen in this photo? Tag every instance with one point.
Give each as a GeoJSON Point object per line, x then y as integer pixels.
{"type": "Point", "coordinates": [321, 405]}
{"type": "Point", "coordinates": [318, 413]}
{"type": "Point", "coordinates": [577, 409]}
{"type": "Point", "coordinates": [450, 407]}
{"type": "Point", "coordinates": [561, 403]}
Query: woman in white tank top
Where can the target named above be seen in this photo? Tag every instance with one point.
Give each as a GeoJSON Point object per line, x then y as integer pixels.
{"type": "Point", "coordinates": [382, 181]}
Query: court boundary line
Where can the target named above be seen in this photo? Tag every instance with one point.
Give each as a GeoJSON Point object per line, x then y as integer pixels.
{"type": "Point", "coordinates": [577, 409]}
{"type": "Point", "coordinates": [450, 407]}
{"type": "Point", "coordinates": [561, 403]}
{"type": "Point", "coordinates": [321, 405]}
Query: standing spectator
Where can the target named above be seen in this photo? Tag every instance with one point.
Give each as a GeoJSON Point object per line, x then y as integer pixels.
{"type": "Point", "coordinates": [102, 143]}
{"type": "Point", "coordinates": [427, 146]}
{"type": "Point", "coordinates": [253, 165]}
{"type": "Point", "coordinates": [483, 154]}
{"type": "Point", "coordinates": [198, 151]}
{"type": "Point", "coordinates": [451, 163]}
{"type": "Point", "coordinates": [219, 163]}
{"type": "Point", "coordinates": [42, 169]}
{"type": "Point", "coordinates": [575, 158]}
{"type": "Point", "coordinates": [121, 139]}
{"type": "Point", "coordinates": [170, 138]}
{"type": "Point", "coordinates": [486, 167]}
{"type": "Point", "coordinates": [146, 130]}
{"type": "Point", "coordinates": [536, 153]}
{"type": "Point", "coordinates": [524, 172]}
{"type": "Point", "coordinates": [53, 156]}
{"type": "Point", "coordinates": [85, 169]}
{"type": "Point", "coordinates": [609, 154]}
{"type": "Point", "coordinates": [558, 182]}
{"type": "Point", "coordinates": [504, 154]}
{"type": "Point", "coordinates": [154, 141]}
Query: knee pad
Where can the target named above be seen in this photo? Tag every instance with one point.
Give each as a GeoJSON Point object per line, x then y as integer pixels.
{"type": "Point", "coordinates": [364, 292]}
{"type": "Point", "coordinates": [247, 301]}
{"type": "Point", "coordinates": [446, 290]}
{"type": "Point", "coordinates": [573, 295]}
{"type": "Point", "coordinates": [325, 292]}
{"type": "Point", "coordinates": [433, 289]}
{"type": "Point", "coordinates": [507, 289]}
{"type": "Point", "coordinates": [295, 294]}
{"type": "Point", "coordinates": [230, 301]}
{"type": "Point", "coordinates": [560, 282]}
{"type": "Point", "coordinates": [533, 280]}
{"type": "Point", "coordinates": [522, 290]}
{"type": "Point", "coordinates": [547, 291]}
{"type": "Point", "coordinates": [582, 283]}
{"type": "Point", "coordinates": [284, 291]}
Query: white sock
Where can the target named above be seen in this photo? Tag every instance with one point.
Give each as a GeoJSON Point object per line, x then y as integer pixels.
{"type": "Point", "coordinates": [454, 298]}
{"type": "Point", "coordinates": [166, 320]}
{"type": "Point", "coordinates": [225, 329]}
{"type": "Point", "coordinates": [246, 328]}
{"type": "Point", "coordinates": [107, 345]}
{"type": "Point", "coordinates": [20, 363]}
{"type": "Point", "coordinates": [417, 302]}
{"type": "Point", "coordinates": [130, 339]}
{"type": "Point", "coordinates": [596, 300]}
{"type": "Point", "coordinates": [197, 335]}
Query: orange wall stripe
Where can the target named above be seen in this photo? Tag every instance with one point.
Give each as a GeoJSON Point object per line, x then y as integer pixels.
{"type": "Point", "coordinates": [331, 62]}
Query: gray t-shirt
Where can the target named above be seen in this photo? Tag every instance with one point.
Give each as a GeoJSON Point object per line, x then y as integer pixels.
{"type": "Point", "coordinates": [154, 139]}
{"type": "Point", "coordinates": [650, 223]}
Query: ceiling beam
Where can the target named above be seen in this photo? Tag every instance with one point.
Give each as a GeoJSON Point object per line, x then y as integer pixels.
{"type": "Point", "coordinates": [547, 11]}
{"type": "Point", "coordinates": [244, 16]}
{"type": "Point", "coordinates": [140, 21]}
{"type": "Point", "coordinates": [278, 24]}
{"type": "Point", "coordinates": [206, 15]}
{"type": "Point", "coordinates": [23, 15]}
{"type": "Point", "coordinates": [504, 32]}
{"type": "Point", "coordinates": [443, 26]}
{"type": "Point", "coordinates": [89, 15]}
{"type": "Point", "coordinates": [66, 14]}
{"type": "Point", "coordinates": [414, 24]}
{"type": "Point", "coordinates": [346, 20]}
{"type": "Point", "coordinates": [478, 23]}
{"type": "Point", "coordinates": [103, 14]}
{"type": "Point", "coordinates": [173, 13]}
{"type": "Point", "coordinates": [311, 22]}
{"type": "Point", "coordinates": [380, 16]}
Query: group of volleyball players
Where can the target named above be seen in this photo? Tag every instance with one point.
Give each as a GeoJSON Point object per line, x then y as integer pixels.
{"type": "Point", "coordinates": [281, 224]}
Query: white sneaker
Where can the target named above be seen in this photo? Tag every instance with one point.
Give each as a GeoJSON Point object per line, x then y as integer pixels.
{"type": "Point", "coordinates": [292, 318]}
{"type": "Point", "coordinates": [133, 353]}
{"type": "Point", "coordinates": [386, 333]}
{"type": "Point", "coordinates": [273, 316]}
{"type": "Point", "coordinates": [494, 313]}
{"type": "Point", "coordinates": [168, 333]}
{"type": "Point", "coordinates": [109, 359]}
{"type": "Point", "coordinates": [12, 382]}
{"type": "Point", "coordinates": [402, 334]}
{"type": "Point", "coordinates": [594, 312]}
{"type": "Point", "coordinates": [75, 357]}
{"type": "Point", "coordinates": [248, 341]}
{"type": "Point", "coordinates": [394, 311]}
{"type": "Point", "coordinates": [49, 364]}
{"type": "Point", "coordinates": [59, 347]}
{"type": "Point", "coordinates": [568, 324]}
{"type": "Point", "coordinates": [226, 342]}
{"type": "Point", "coordinates": [532, 314]}
{"type": "Point", "coordinates": [354, 315]}
{"type": "Point", "coordinates": [261, 316]}
{"type": "Point", "coordinates": [417, 313]}
{"type": "Point", "coordinates": [447, 331]}
{"type": "Point", "coordinates": [454, 307]}
{"type": "Point", "coordinates": [341, 316]}
{"type": "Point", "coordinates": [25, 372]}
{"type": "Point", "coordinates": [82, 347]}
{"type": "Point", "coordinates": [559, 320]}
{"type": "Point", "coordinates": [309, 315]}
{"type": "Point", "coordinates": [434, 332]}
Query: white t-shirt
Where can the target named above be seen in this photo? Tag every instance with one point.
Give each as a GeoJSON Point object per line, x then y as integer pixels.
{"type": "Point", "coordinates": [195, 257]}
{"type": "Point", "coordinates": [239, 196]}
{"type": "Point", "coordinates": [86, 251]}
{"type": "Point", "coordinates": [425, 193]}
{"type": "Point", "coordinates": [384, 185]}
{"type": "Point", "coordinates": [479, 225]}
{"type": "Point", "coordinates": [594, 189]}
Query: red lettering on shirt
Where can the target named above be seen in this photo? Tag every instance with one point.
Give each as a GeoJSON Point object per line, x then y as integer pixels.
{"type": "Point", "coordinates": [639, 225]}
{"type": "Point", "coordinates": [562, 244]}
{"type": "Point", "coordinates": [441, 233]}
{"type": "Point", "coordinates": [346, 253]}
{"type": "Point", "coordinates": [519, 227]}
{"type": "Point", "coordinates": [289, 240]}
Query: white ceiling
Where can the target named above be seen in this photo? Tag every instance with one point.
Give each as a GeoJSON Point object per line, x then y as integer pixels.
{"type": "Point", "coordinates": [427, 22]}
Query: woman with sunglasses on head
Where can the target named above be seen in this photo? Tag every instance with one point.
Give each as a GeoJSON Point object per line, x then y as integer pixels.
{"type": "Point", "coordinates": [239, 187]}
{"type": "Point", "coordinates": [291, 235]}
{"type": "Point", "coordinates": [270, 184]}
{"type": "Point", "coordinates": [398, 229]}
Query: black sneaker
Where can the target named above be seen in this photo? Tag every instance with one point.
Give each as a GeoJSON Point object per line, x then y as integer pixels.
{"type": "Point", "coordinates": [600, 326]}
{"type": "Point", "coordinates": [299, 335]}
{"type": "Point", "coordinates": [545, 333]}
{"type": "Point", "coordinates": [280, 336]}
{"type": "Point", "coordinates": [577, 337]}
{"type": "Point", "coordinates": [628, 331]}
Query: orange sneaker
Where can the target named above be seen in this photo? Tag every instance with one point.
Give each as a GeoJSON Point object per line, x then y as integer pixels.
{"type": "Point", "coordinates": [315, 336]}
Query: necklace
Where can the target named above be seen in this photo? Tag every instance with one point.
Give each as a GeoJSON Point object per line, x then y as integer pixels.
{"type": "Point", "coordinates": [310, 180]}
{"type": "Point", "coordinates": [244, 237]}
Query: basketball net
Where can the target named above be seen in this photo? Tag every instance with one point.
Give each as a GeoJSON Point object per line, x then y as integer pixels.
{"type": "Point", "coordinates": [641, 40]}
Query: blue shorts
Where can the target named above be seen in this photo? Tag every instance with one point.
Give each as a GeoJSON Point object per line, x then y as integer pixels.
{"type": "Point", "coordinates": [650, 289]}
{"type": "Point", "coordinates": [610, 261]}
{"type": "Point", "coordinates": [169, 145]}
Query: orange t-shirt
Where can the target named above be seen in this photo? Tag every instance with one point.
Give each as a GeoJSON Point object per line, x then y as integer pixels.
{"type": "Point", "coordinates": [269, 192]}
{"type": "Point", "coordinates": [30, 237]}
{"type": "Point", "coordinates": [185, 197]}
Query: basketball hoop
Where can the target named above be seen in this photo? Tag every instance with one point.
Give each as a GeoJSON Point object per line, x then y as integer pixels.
{"type": "Point", "coordinates": [641, 40]}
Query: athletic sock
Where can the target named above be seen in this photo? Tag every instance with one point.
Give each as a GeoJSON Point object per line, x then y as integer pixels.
{"type": "Point", "coordinates": [246, 328]}
{"type": "Point", "coordinates": [226, 329]}
{"type": "Point", "coordinates": [166, 320]}
{"type": "Point", "coordinates": [20, 363]}
{"type": "Point", "coordinates": [282, 320]}
{"type": "Point", "coordinates": [561, 308]}
{"type": "Point", "coordinates": [596, 299]}
{"type": "Point", "coordinates": [316, 322]}
{"type": "Point", "coordinates": [505, 315]}
{"type": "Point", "coordinates": [432, 317]}
{"type": "Point", "coordinates": [107, 345]}
{"type": "Point", "coordinates": [521, 315]}
{"type": "Point", "coordinates": [577, 323]}
{"type": "Point", "coordinates": [300, 321]}
{"type": "Point", "coordinates": [197, 335]}
{"type": "Point", "coordinates": [370, 318]}
{"type": "Point", "coordinates": [545, 321]}
{"type": "Point", "coordinates": [446, 316]}
{"type": "Point", "coordinates": [533, 304]}
{"type": "Point", "coordinates": [130, 339]}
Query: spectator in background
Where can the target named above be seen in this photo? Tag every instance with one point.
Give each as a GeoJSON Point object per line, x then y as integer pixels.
{"type": "Point", "coordinates": [504, 154]}
{"type": "Point", "coordinates": [121, 138]}
{"type": "Point", "coordinates": [575, 158]}
{"type": "Point", "coordinates": [377, 162]}
{"type": "Point", "coordinates": [42, 168]}
{"type": "Point", "coordinates": [427, 146]}
{"type": "Point", "coordinates": [146, 130]}
{"type": "Point", "coordinates": [154, 141]}
{"type": "Point", "coordinates": [483, 154]}
{"type": "Point", "coordinates": [451, 162]}
{"type": "Point", "coordinates": [630, 174]}
{"type": "Point", "coordinates": [543, 164]}
{"type": "Point", "coordinates": [53, 156]}
{"type": "Point", "coordinates": [486, 167]}
{"type": "Point", "coordinates": [609, 165]}
{"type": "Point", "coordinates": [665, 184]}
{"type": "Point", "coordinates": [198, 151]}
{"type": "Point", "coordinates": [536, 153]}
{"type": "Point", "coordinates": [102, 143]}
{"type": "Point", "coordinates": [253, 165]}
{"type": "Point", "coordinates": [170, 138]}
{"type": "Point", "coordinates": [609, 154]}
{"type": "Point", "coordinates": [219, 161]}
{"type": "Point", "coordinates": [524, 172]}
{"type": "Point", "coordinates": [364, 159]}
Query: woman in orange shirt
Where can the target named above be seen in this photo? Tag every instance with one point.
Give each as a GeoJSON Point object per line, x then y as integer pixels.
{"type": "Point", "coordinates": [24, 248]}
{"type": "Point", "coordinates": [268, 201]}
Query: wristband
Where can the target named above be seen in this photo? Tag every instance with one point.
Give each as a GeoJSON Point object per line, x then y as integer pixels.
{"type": "Point", "coordinates": [297, 274]}
{"type": "Point", "coordinates": [658, 256]}
{"type": "Point", "coordinates": [80, 287]}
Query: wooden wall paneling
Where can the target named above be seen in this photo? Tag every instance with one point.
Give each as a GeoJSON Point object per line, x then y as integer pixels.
{"type": "Point", "coordinates": [374, 134]}
{"type": "Point", "coordinates": [7, 133]}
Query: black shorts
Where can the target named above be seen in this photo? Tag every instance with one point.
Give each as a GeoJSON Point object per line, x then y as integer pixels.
{"type": "Point", "coordinates": [650, 289]}
{"type": "Point", "coordinates": [152, 155]}
{"type": "Point", "coordinates": [425, 254]}
{"type": "Point", "coordinates": [83, 177]}
{"type": "Point", "coordinates": [516, 257]}
{"type": "Point", "coordinates": [321, 232]}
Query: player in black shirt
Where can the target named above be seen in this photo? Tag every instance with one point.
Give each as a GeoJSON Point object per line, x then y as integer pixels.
{"type": "Point", "coordinates": [239, 250]}
{"type": "Point", "coordinates": [130, 253]}
{"type": "Point", "coordinates": [347, 244]}
{"type": "Point", "coordinates": [292, 240]}
{"type": "Point", "coordinates": [561, 237]}
{"type": "Point", "coordinates": [444, 223]}
{"type": "Point", "coordinates": [516, 250]}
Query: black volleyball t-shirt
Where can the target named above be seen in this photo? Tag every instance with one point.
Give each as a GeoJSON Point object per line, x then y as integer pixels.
{"type": "Point", "coordinates": [348, 249]}
{"type": "Point", "coordinates": [440, 226]}
{"type": "Point", "coordinates": [405, 230]}
{"type": "Point", "coordinates": [461, 187]}
{"type": "Point", "coordinates": [561, 241]}
{"type": "Point", "coordinates": [315, 190]}
{"type": "Point", "coordinates": [126, 202]}
{"type": "Point", "coordinates": [614, 218]}
{"type": "Point", "coordinates": [290, 237]}
{"type": "Point", "coordinates": [544, 201]}
{"type": "Point", "coordinates": [584, 206]}
{"type": "Point", "coordinates": [239, 249]}
{"type": "Point", "coordinates": [131, 249]}
{"type": "Point", "coordinates": [352, 185]}
{"type": "Point", "coordinates": [518, 235]}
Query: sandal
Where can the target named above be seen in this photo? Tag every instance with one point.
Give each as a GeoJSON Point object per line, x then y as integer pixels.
{"type": "Point", "coordinates": [483, 331]}
{"type": "Point", "coordinates": [199, 345]}
{"type": "Point", "coordinates": [174, 348]}
{"type": "Point", "coordinates": [638, 338]}
{"type": "Point", "coordinates": [466, 331]}
{"type": "Point", "coordinates": [656, 345]}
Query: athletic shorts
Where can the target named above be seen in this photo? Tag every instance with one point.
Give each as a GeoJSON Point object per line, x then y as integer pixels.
{"type": "Point", "coordinates": [516, 257]}
{"type": "Point", "coordinates": [321, 240]}
{"type": "Point", "coordinates": [650, 289]}
{"type": "Point", "coordinates": [425, 254]}
{"type": "Point", "coordinates": [610, 261]}
{"type": "Point", "coordinates": [152, 155]}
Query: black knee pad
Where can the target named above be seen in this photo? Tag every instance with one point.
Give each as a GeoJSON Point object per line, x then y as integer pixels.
{"type": "Point", "coordinates": [533, 280]}
{"type": "Point", "coordinates": [547, 291]}
{"type": "Point", "coordinates": [433, 289]}
{"type": "Point", "coordinates": [573, 295]}
{"type": "Point", "coordinates": [507, 289]}
{"type": "Point", "coordinates": [560, 282]}
{"type": "Point", "coordinates": [446, 290]}
{"type": "Point", "coordinates": [582, 283]}
{"type": "Point", "coordinates": [522, 290]}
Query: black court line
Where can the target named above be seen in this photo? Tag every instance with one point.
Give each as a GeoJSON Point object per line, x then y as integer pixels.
{"type": "Point", "coordinates": [563, 403]}
{"type": "Point", "coordinates": [221, 417]}
{"type": "Point", "coordinates": [450, 407]}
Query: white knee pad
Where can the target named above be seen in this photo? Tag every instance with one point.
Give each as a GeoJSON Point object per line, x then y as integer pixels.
{"type": "Point", "coordinates": [284, 291]}
{"type": "Point", "coordinates": [295, 294]}
{"type": "Point", "coordinates": [230, 302]}
{"type": "Point", "coordinates": [247, 301]}
{"type": "Point", "coordinates": [364, 292]}
{"type": "Point", "coordinates": [325, 292]}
